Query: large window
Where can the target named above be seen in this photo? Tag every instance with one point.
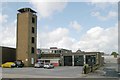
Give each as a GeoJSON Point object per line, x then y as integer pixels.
{"type": "Point", "coordinates": [32, 39]}
{"type": "Point", "coordinates": [33, 30]}
{"type": "Point", "coordinates": [33, 20]}
{"type": "Point", "coordinates": [32, 50]}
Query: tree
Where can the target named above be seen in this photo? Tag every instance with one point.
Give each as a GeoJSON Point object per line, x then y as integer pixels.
{"type": "Point", "coordinates": [114, 54]}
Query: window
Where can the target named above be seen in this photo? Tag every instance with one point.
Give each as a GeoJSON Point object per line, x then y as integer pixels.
{"type": "Point", "coordinates": [59, 51]}
{"type": "Point", "coordinates": [32, 50]}
{"type": "Point", "coordinates": [33, 20]}
{"type": "Point", "coordinates": [32, 39]}
{"type": "Point", "coordinates": [32, 60]}
{"type": "Point", "coordinates": [33, 30]}
{"type": "Point", "coordinates": [55, 51]}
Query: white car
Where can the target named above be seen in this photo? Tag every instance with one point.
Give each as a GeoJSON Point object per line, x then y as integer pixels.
{"type": "Point", "coordinates": [48, 65]}
{"type": "Point", "coordinates": [39, 65]}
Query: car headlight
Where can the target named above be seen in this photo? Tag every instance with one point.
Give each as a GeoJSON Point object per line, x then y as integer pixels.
{"type": "Point", "coordinates": [13, 64]}
{"type": "Point", "coordinates": [2, 65]}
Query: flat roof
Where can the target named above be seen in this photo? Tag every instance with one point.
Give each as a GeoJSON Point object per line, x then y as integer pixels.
{"type": "Point", "coordinates": [26, 10]}
{"type": "Point", "coordinates": [68, 54]}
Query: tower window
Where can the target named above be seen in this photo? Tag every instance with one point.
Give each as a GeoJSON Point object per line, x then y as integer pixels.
{"type": "Point", "coordinates": [32, 39]}
{"type": "Point", "coordinates": [32, 50]}
{"type": "Point", "coordinates": [33, 20]}
{"type": "Point", "coordinates": [33, 30]}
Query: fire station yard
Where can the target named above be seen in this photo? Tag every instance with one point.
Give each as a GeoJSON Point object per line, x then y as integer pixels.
{"type": "Point", "coordinates": [57, 72]}
{"type": "Point", "coordinates": [60, 72]}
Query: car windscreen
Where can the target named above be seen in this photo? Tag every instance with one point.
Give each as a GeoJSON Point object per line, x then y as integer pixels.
{"type": "Point", "coordinates": [18, 62]}
{"type": "Point", "coordinates": [47, 64]}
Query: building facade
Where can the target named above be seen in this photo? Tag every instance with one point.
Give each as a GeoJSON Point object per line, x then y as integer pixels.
{"type": "Point", "coordinates": [7, 54]}
{"type": "Point", "coordinates": [81, 58]}
{"type": "Point", "coordinates": [52, 55]}
{"type": "Point", "coordinates": [66, 57]}
{"type": "Point", "coordinates": [50, 58]}
{"type": "Point", "coordinates": [53, 50]}
{"type": "Point", "coordinates": [26, 36]}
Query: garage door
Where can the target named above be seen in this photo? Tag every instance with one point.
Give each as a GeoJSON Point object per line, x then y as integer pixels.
{"type": "Point", "coordinates": [78, 60]}
{"type": "Point", "coordinates": [67, 60]}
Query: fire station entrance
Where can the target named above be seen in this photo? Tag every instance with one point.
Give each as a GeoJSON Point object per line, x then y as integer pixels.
{"type": "Point", "coordinates": [67, 60]}
{"type": "Point", "coordinates": [91, 60]}
{"type": "Point", "coordinates": [78, 60]}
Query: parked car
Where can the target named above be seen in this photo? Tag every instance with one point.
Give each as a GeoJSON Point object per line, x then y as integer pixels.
{"type": "Point", "coordinates": [48, 65]}
{"type": "Point", "coordinates": [8, 65]}
{"type": "Point", "coordinates": [39, 65]}
{"type": "Point", "coordinates": [19, 63]}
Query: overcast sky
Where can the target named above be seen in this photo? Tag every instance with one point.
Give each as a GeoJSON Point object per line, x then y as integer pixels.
{"type": "Point", "coordinates": [88, 26]}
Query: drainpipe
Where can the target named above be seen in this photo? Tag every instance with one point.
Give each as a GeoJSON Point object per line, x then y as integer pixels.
{"type": "Point", "coordinates": [84, 56]}
{"type": "Point", "coordinates": [72, 60]}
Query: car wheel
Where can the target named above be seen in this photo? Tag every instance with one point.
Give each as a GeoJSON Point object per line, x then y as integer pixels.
{"type": "Point", "coordinates": [44, 67]}
{"type": "Point", "coordinates": [20, 66]}
{"type": "Point", "coordinates": [48, 67]}
{"type": "Point", "coordinates": [12, 67]}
